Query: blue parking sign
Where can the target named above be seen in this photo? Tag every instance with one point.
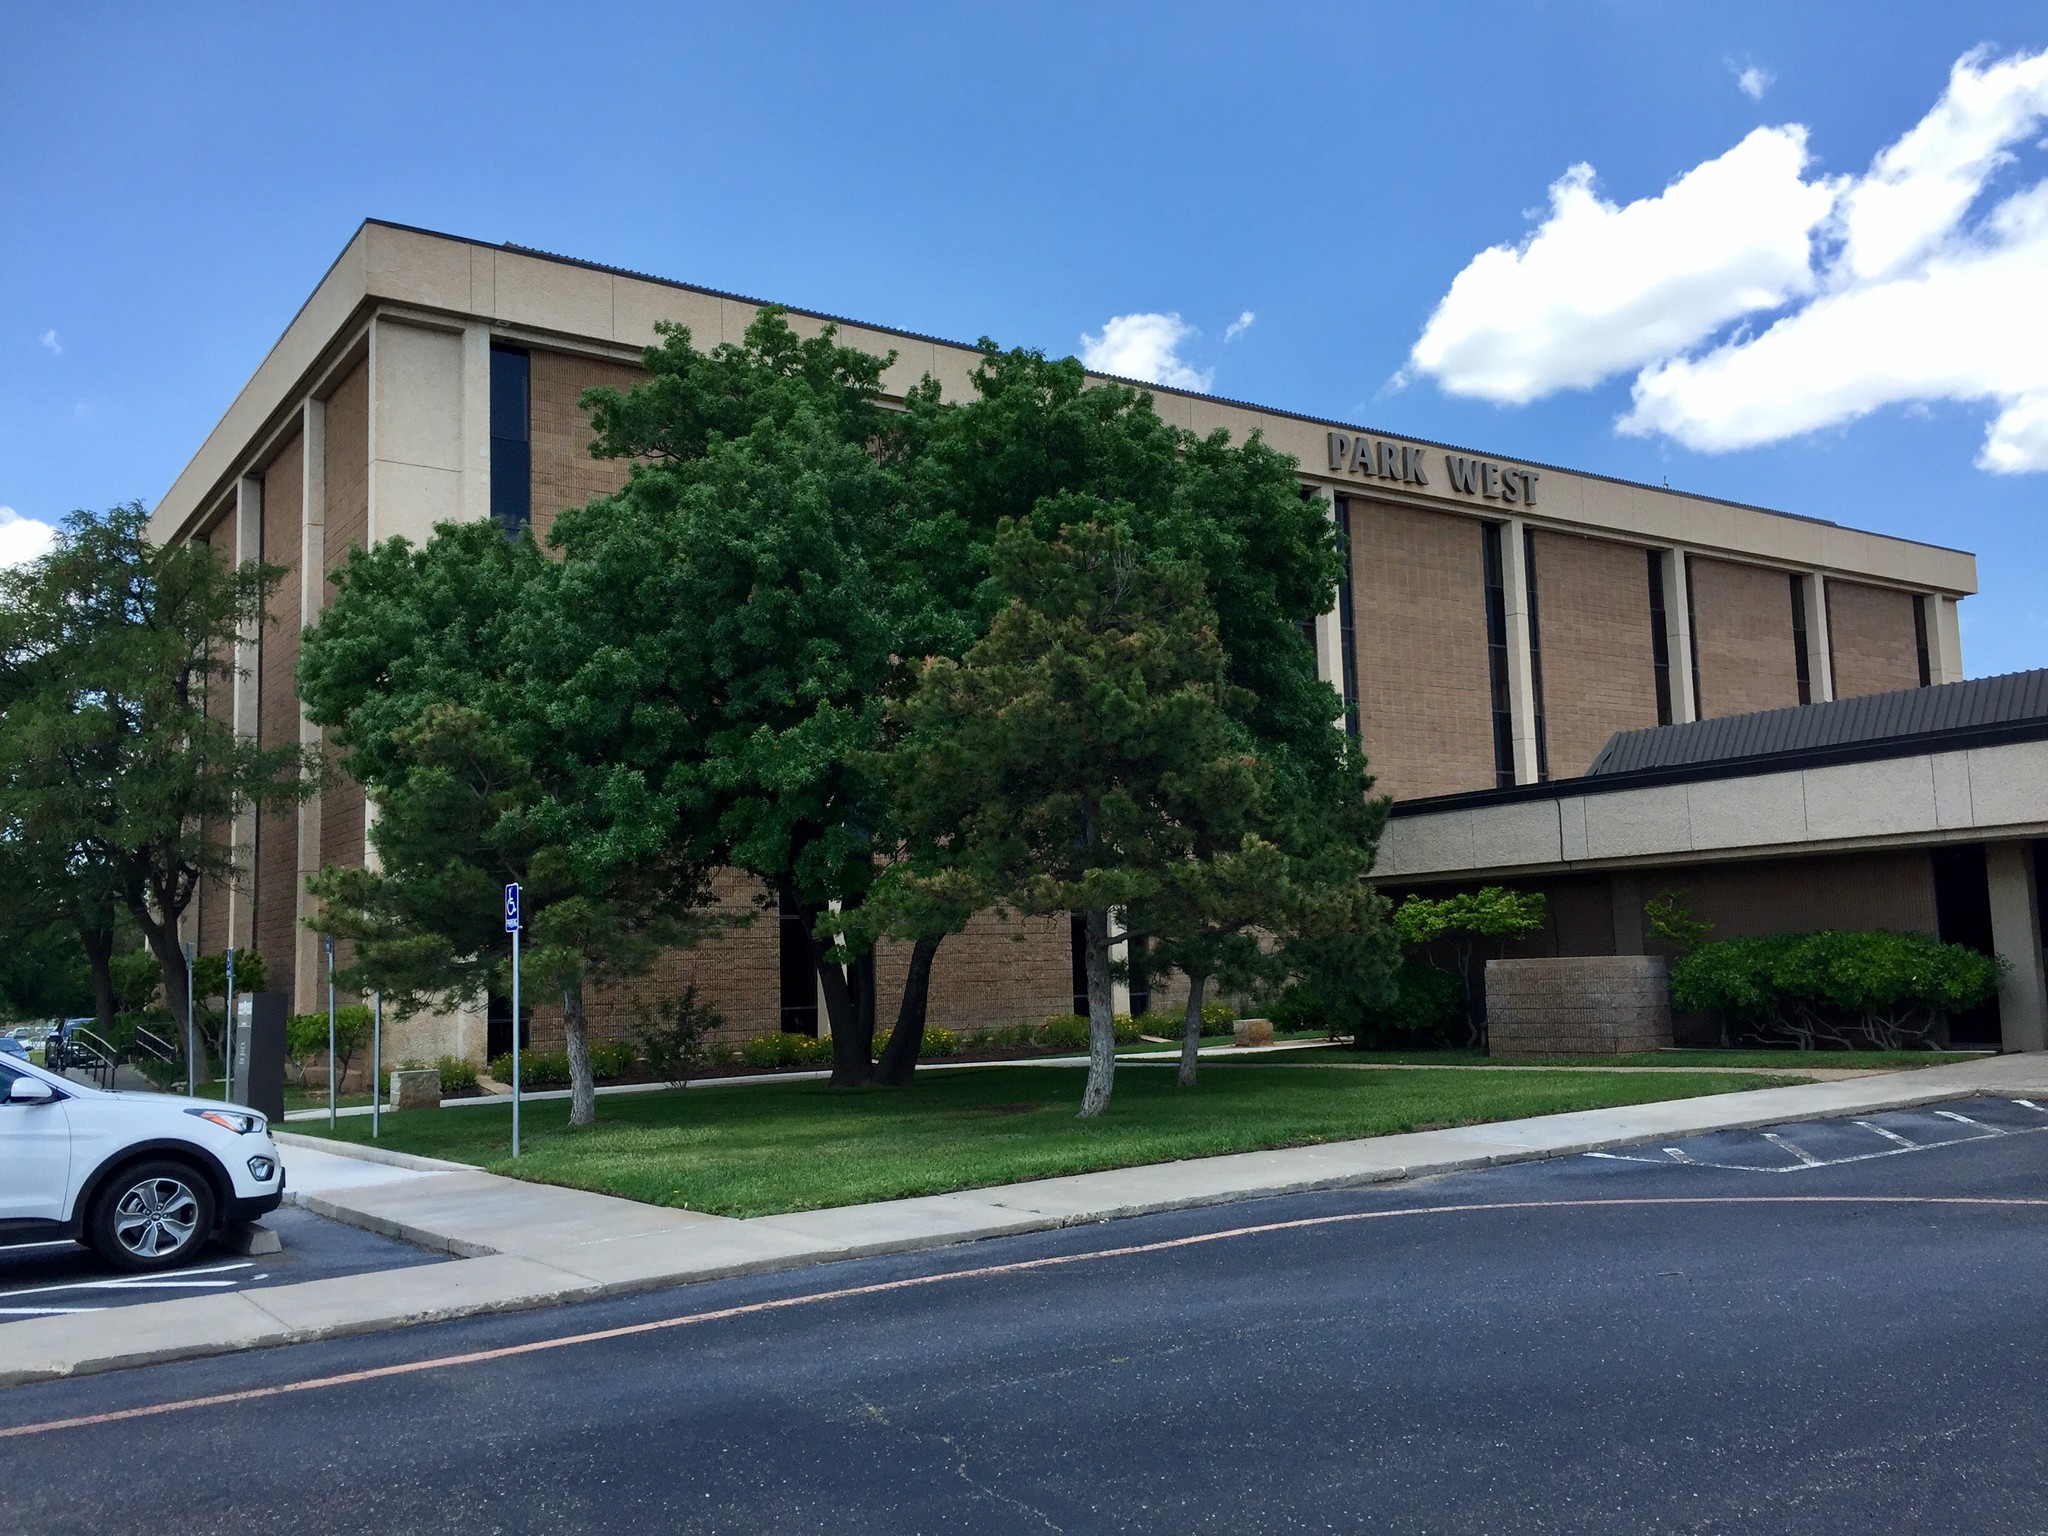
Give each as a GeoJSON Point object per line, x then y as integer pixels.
{"type": "Point", "coordinates": [512, 909]}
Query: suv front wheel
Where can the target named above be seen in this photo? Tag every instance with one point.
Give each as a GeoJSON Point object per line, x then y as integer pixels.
{"type": "Point", "coordinates": [151, 1216]}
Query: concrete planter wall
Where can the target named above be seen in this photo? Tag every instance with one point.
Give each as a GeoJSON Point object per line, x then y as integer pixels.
{"type": "Point", "coordinates": [1580, 1005]}
{"type": "Point", "coordinates": [416, 1090]}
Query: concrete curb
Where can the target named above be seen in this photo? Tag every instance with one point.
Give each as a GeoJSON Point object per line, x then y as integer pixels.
{"type": "Point", "coordinates": [523, 1246]}
{"type": "Point", "coordinates": [370, 1154]}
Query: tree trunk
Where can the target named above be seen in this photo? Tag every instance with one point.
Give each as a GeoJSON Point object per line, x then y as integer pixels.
{"type": "Point", "coordinates": [1101, 1019]}
{"type": "Point", "coordinates": [906, 1040]}
{"type": "Point", "coordinates": [849, 1002]}
{"type": "Point", "coordinates": [1191, 1036]}
{"type": "Point", "coordinates": [576, 1036]}
{"type": "Point", "coordinates": [99, 955]}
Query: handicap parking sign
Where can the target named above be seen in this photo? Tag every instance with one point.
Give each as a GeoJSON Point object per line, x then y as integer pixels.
{"type": "Point", "coordinates": [512, 909]}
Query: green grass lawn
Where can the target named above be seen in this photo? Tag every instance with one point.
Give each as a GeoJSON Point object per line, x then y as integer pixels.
{"type": "Point", "coordinates": [757, 1150]}
{"type": "Point", "coordinates": [1686, 1060]}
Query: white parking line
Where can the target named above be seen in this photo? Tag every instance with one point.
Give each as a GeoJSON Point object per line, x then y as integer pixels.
{"type": "Point", "coordinates": [1891, 1136]}
{"type": "Point", "coordinates": [1801, 1153]}
{"type": "Point", "coordinates": [180, 1280]}
{"type": "Point", "coordinates": [1975, 1125]}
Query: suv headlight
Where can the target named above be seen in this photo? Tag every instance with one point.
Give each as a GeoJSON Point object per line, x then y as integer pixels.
{"type": "Point", "coordinates": [230, 1120]}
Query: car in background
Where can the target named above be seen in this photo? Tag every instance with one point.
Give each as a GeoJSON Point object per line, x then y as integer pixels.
{"type": "Point", "coordinates": [61, 1048]}
{"type": "Point", "coordinates": [145, 1178]}
{"type": "Point", "coordinates": [15, 1046]}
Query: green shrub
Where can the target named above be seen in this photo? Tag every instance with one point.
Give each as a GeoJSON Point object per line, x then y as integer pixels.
{"type": "Point", "coordinates": [1015, 1037]}
{"type": "Point", "coordinates": [613, 1059]}
{"type": "Point", "coordinates": [939, 1043]}
{"type": "Point", "coordinates": [1883, 991]}
{"type": "Point", "coordinates": [1427, 1011]}
{"type": "Point", "coordinates": [305, 1042]}
{"type": "Point", "coordinates": [1218, 1017]}
{"type": "Point", "coordinates": [1299, 1006]}
{"type": "Point", "coordinates": [1065, 1032]}
{"type": "Point", "coordinates": [1128, 1030]}
{"type": "Point", "coordinates": [672, 1035]}
{"type": "Point", "coordinates": [767, 1053]}
{"type": "Point", "coordinates": [537, 1069]}
{"type": "Point", "coordinates": [458, 1074]}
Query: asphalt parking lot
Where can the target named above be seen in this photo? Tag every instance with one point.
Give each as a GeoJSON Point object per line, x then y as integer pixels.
{"type": "Point", "coordinates": [1745, 1339]}
{"type": "Point", "coordinates": [56, 1278]}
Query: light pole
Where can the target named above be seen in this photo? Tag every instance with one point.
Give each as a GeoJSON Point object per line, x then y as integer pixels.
{"type": "Point", "coordinates": [376, 1066]}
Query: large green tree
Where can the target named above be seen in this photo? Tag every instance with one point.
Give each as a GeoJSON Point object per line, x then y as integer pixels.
{"type": "Point", "coordinates": [752, 595]}
{"type": "Point", "coordinates": [453, 681]}
{"type": "Point", "coordinates": [113, 771]}
{"type": "Point", "coordinates": [1072, 757]}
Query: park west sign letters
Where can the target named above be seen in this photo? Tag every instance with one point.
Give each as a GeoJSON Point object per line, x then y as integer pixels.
{"type": "Point", "coordinates": [1378, 459]}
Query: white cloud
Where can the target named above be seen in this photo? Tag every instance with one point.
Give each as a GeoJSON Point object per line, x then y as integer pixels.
{"type": "Point", "coordinates": [1239, 326]}
{"type": "Point", "coordinates": [1753, 82]}
{"type": "Point", "coordinates": [1145, 347]}
{"type": "Point", "coordinates": [1910, 286]}
{"type": "Point", "coordinates": [1600, 288]}
{"type": "Point", "coordinates": [22, 539]}
{"type": "Point", "coordinates": [52, 341]}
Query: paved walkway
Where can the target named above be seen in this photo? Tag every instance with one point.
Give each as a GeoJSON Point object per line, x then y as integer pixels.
{"type": "Point", "coordinates": [527, 1245]}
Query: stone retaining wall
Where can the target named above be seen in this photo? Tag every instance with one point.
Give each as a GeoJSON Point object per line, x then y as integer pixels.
{"type": "Point", "coordinates": [1579, 1005]}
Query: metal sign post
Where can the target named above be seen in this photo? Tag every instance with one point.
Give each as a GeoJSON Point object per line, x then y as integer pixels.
{"type": "Point", "coordinates": [512, 927]}
{"type": "Point", "coordinates": [191, 1027]}
{"type": "Point", "coordinates": [376, 1066]}
{"type": "Point", "coordinates": [329, 940]}
{"type": "Point", "coordinates": [227, 1066]}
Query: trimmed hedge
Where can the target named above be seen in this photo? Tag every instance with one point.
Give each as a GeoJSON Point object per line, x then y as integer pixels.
{"type": "Point", "coordinates": [1882, 991]}
{"type": "Point", "coordinates": [1428, 1010]}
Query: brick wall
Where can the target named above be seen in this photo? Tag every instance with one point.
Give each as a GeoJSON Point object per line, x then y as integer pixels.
{"type": "Point", "coordinates": [997, 971]}
{"type": "Point", "coordinates": [346, 478]}
{"type": "Point", "coordinates": [1742, 615]}
{"type": "Point", "coordinates": [564, 473]}
{"type": "Point", "coordinates": [1593, 619]}
{"type": "Point", "coordinates": [1419, 604]}
{"type": "Point", "coordinates": [1871, 639]}
{"type": "Point", "coordinates": [276, 874]}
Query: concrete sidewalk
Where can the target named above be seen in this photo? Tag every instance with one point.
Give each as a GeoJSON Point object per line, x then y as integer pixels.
{"type": "Point", "coordinates": [521, 1245]}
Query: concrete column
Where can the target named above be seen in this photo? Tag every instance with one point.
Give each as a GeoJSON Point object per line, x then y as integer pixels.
{"type": "Point", "coordinates": [310, 994]}
{"type": "Point", "coordinates": [1820, 650]}
{"type": "Point", "coordinates": [476, 423]}
{"type": "Point", "coordinates": [1944, 640]}
{"type": "Point", "coordinates": [1329, 632]}
{"type": "Point", "coordinates": [1521, 666]}
{"type": "Point", "coordinates": [1119, 954]}
{"type": "Point", "coordinates": [248, 660]}
{"type": "Point", "coordinates": [1678, 636]}
{"type": "Point", "coordinates": [2016, 935]}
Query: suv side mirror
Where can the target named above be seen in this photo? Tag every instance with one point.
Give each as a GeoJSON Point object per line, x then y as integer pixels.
{"type": "Point", "coordinates": [30, 1090]}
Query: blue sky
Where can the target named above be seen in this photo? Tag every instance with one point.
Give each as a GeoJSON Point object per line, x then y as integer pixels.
{"type": "Point", "coordinates": [1776, 314]}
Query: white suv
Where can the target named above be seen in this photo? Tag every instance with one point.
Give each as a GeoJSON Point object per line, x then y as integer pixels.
{"type": "Point", "coordinates": [145, 1178]}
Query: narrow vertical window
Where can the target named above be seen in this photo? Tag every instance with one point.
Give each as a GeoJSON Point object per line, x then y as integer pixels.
{"type": "Point", "coordinates": [799, 975]}
{"type": "Point", "coordinates": [1535, 653]}
{"type": "Point", "coordinates": [1692, 635]}
{"type": "Point", "coordinates": [1920, 638]}
{"type": "Point", "coordinates": [1660, 637]}
{"type": "Point", "coordinates": [1800, 660]}
{"type": "Point", "coordinates": [511, 438]}
{"type": "Point", "coordinates": [1347, 626]}
{"type": "Point", "coordinates": [1078, 943]}
{"type": "Point", "coordinates": [1497, 654]}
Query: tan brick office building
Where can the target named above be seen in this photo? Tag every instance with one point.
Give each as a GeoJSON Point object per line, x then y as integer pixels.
{"type": "Point", "coordinates": [1501, 620]}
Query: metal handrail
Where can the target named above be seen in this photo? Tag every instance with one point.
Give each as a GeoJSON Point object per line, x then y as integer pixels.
{"type": "Point", "coordinates": [102, 1057]}
{"type": "Point", "coordinates": [154, 1044]}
